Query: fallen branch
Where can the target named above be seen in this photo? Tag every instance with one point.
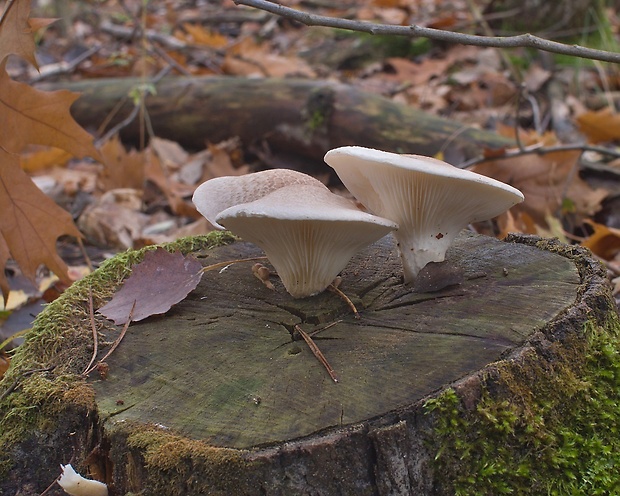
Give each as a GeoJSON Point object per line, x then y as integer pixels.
{"type": "Point", "coordinates": [413, 31]}
{"type": "Point", "coordinates": [539, 150]}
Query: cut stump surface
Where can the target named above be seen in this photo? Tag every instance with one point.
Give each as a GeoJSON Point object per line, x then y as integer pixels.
{"type": "Point", "coordinates": [223, 366]}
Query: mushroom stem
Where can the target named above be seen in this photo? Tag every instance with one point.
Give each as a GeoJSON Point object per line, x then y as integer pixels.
{"type": "Point", "coordinates": [416, 252]}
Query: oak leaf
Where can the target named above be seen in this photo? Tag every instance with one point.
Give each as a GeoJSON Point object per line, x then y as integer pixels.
{"type": "Point", "coordinates": [122, 168]}
{"type": "Point", "coordinates": [32, 117]}
{"type": "Point", "coordinates": [16, 31]}
{"type": "Point", "coordinates": [30, 222]}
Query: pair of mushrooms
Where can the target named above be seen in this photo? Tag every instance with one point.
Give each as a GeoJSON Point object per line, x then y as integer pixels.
{"type": "Point", "coordinates": [309, 234]}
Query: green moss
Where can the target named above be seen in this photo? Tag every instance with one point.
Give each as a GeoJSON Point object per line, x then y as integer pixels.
{"type": "Point", "coordinates": [168, 457]}
{"type": "Point", "coordinates": [45, 374]}
{"type": "Point", "coordinates": [550, 428]}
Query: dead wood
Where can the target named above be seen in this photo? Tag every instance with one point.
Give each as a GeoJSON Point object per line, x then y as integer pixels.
{"type": "Point", "coordinates": [286, 122]}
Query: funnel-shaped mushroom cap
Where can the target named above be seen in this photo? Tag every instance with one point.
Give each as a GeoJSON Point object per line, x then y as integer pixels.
{"type": "Point", "coordinates": [430, 200]}
{"type": "Point", "coordinates": [219, 193]}
{"type": "Point", "coordinates": [308, 233]}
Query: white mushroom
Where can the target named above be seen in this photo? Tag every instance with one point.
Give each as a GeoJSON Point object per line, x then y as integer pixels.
{"type": "Point", "coordinates": [217, 194]}
{"type": "Point", "coordinates": [430, 200]}
{"type": "Point", "coordinates": [76, 485]}
{"type": "Point", "coordinates": [308, 233]}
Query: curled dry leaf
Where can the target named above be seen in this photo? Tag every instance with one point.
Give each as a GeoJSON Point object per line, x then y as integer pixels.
{"type": "Point", "coordinates": [161, 280]}
{"type": "Point", "coordinates": [604, 241]}
{"type": "Point", "coordinates": [546, 181]}
{"type": "Point", "coordinates": [600, 125]}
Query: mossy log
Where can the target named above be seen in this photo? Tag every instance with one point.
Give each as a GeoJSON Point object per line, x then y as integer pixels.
{"type": "Point", "coordinates": [285, 121]}
{"type": "Point", "coordinates": [220, 397]}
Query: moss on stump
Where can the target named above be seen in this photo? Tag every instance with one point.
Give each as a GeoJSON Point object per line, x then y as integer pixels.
{"type": "Point", "coordinates": [506, 381]}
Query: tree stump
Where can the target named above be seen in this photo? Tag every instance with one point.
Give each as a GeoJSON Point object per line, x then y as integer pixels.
{"type": "Point", "coordinates": [220, 396]}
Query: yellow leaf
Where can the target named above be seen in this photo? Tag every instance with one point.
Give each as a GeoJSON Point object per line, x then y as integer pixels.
{"type": "Point", "coordinates": [202, 36]}
{"type": "Point", "coordinates": [44, 159]}
{"type": "Point", "coordinates": [600, 126]}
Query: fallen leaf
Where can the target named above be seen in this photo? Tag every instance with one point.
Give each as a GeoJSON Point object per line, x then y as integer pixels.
{"type": "Point", "coordinates": [44, 159]}
{"type": "Point", "coordinates": [30, 222]}
{"type": "Point", "coordinates": [122, 169]}
{"type": "Point", "coordinates": [161, 280]}
{"type": "Point", "coordinates": [201, 36]}
{"type": "Point", "coordinates": [604, 241]}
{"type": "Point", "coordinates": [114, 220]}
{"type": "Point", "coordinates": [16, 32]}
{"type": "Point", "coordinates": [600, 125]}
{"type": "Point", "coordinates": [30, 116]}
{"type": "Point", "coordinates": [546, 181]}
{"type": "Point", "coordinates": [175, 192]}
{"type": "Point", "coordinates": [247, 58]}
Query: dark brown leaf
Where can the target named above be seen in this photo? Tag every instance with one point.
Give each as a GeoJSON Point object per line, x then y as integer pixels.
{"type": "Point", "coordinates": [161, 280]}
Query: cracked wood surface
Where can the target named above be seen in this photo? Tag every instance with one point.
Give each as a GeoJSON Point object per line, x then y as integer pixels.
{"type": "Point", "coordinates": [223, 366]}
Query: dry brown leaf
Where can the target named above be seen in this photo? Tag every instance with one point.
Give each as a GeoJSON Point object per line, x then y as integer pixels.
{"type": "Point", "coordinates": [604, 241]}
{"type": "Point", "coordinates": [600, 125]}
{"type": "Point", "coordinates": [43, 159]}
{"type": "Point", "coordinates": [170, 153]}
{"type": "Point", "coordinates": [29, 116]}
{"type": "Point", "coordinates": [16, 32]}
{"type": "Point", "coordinates": [408, 71]}
{"type": "Point", "coordinates": [201, 36]}
{"type": "Point", "coordinates": [175, 192]}
{"type": "Point", "coordinates": [30, 222]}
{"type": "Point", "coordinates": [247, 58]}
{"type": "Point", "coordinates": [545, 180]}
{"type": "Point", "coordinates": [161, 280]}
{"type": "Point", "coordinates": [122, 169]}
{"type": "Point", "coordinates": [114, 220]}
{"type": "Point", "coordinates": [221, 164]}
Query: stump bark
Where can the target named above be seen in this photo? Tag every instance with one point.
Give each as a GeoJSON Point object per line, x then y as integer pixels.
{"type": "Point", "coordinates": [219, 396]}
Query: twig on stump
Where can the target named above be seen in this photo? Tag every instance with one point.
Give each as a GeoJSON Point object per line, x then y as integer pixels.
{"type": "Point", "coordinates": [317, 352]}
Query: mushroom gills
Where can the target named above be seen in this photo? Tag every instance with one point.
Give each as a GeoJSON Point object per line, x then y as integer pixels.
{"type": "Point", "coordinates": [430, 200]}
{"type": "Point", "coordinates": [308, 234]}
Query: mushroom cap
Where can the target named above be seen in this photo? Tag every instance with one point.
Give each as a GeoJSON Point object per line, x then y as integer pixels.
{"type": "Point", "coordinates": [219, 193]}
{"type": "Point", "coordinates": [308, 233]}
{"type": "Point", "coordinates": [430, 200]}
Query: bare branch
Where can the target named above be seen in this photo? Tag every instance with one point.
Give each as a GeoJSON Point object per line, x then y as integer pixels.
{"type": "Point", "coordinates": [540, 150]}
{"type": "Point", "coordinates": [523, 40]}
